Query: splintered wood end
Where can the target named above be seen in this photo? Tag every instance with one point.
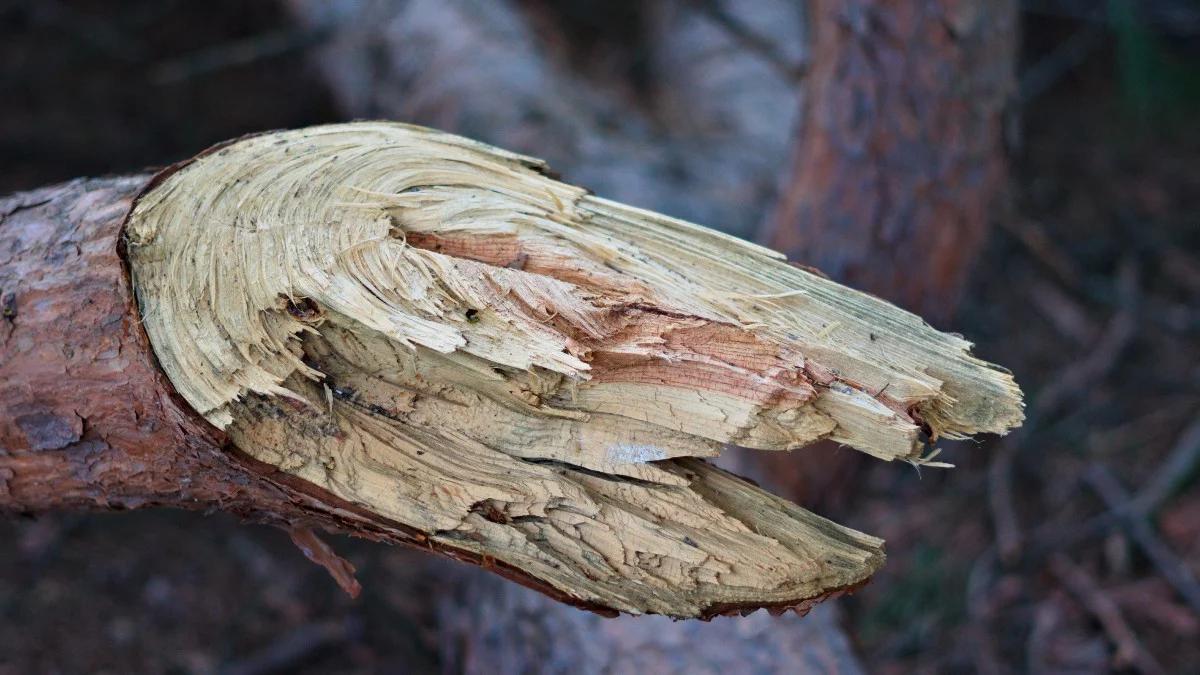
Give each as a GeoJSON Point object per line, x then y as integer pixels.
{"type": "Point", "coordinates": [436, 331]}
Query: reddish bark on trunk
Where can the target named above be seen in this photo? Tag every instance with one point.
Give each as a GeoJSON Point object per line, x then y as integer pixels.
{"type": "Point", "coordinates": [899, 163]}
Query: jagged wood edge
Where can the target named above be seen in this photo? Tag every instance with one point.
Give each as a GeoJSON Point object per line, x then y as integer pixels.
{"type": "Point", "coordinates": [387, 530]}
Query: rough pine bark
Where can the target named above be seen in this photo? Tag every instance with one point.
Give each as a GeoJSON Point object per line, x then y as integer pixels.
{"type": "Point", "coordinates": [899, 163]}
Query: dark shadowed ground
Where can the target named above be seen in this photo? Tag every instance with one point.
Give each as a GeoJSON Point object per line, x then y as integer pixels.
{"type": "Point", "coordinates": [1019, 559]}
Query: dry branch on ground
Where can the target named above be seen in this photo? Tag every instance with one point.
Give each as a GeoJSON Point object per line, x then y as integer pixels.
{"type": "Point", "coordinates": [420, 338]}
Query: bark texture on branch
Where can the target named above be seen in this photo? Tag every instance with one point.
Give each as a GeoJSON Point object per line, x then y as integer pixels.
{"type": "Point", "coordinates": [89, 421]}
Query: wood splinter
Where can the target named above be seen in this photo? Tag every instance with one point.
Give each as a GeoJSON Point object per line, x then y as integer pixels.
{"type": "Point", "coordinates": [403, 334]}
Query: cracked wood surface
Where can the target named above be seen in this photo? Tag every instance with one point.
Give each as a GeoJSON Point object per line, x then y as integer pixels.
{"type": "Point", "coordinates": [88, 421]}
{"type": "Point", "coordinates": [437, 332]}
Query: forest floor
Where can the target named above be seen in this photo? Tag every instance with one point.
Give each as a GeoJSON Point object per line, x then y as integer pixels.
{"type": "Point", "coordinates": [1013, 560]}
{"type": "Point", "coordinates": [1089, 294]}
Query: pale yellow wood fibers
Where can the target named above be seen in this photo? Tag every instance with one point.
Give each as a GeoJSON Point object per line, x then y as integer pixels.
{"type": "Point", "coordinates": [434, 329]}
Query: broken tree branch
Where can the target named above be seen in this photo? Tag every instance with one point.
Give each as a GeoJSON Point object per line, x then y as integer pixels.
{"type": "Point", "coordinates": [406, 335]}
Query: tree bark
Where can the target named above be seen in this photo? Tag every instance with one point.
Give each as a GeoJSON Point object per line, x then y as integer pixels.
{"type": "Point", "coordinates": [900, 165]}
{"type": "Point", "coordinates": [89, 421]}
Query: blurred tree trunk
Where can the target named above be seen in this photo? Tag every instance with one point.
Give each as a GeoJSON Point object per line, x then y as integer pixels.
{"type": "Point", "coordinates": [899, 164]}
{"type": "Point", "coordinates": [655, 104]}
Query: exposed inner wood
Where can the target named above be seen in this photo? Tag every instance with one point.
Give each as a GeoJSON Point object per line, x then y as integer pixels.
{"type": "Point", "coordinates": [435, 330]}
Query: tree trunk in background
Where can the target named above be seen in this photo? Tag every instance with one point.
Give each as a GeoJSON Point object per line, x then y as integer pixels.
{"type": "Point", "coordinates": [690, 124]}
{"type": "Point", "coordinates": [899, 164]}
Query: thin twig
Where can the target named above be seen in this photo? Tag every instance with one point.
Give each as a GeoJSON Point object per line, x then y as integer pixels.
{"type": "Point", "coordinates": [1130, 652]}
{"type": "Point", "coordinates": [1065, 57]}
{"type": "Point", "coordinates": [980, 610]}
{"type": "Point", "coordinates": [1046, 618]}
{"type": "Point", "coordinates": [322, 554]}
{"type": "Point", "coordinates": [1070, 382]}
{"type": "Point", "coordinates": [1045, 251]}
{"type": "Point", "coordinates": [752, 41]}
{"type": "Point", "coordinates": [1153, 599]}
{"type": "Point", "coordinates": [292, 649]}
{"type": "Point", "coordinates": [1174, 570]}
{"type": "Point", "coordinates": [1004, 514]}
{"type": "Point", "coordinates": [1068, 316]}
{"type": "Point", "coordinates": [1080, 376]}
{"type": "Point", "coordinates": [233, 54]}
{"type": "Point", "coordinates": [1181, 462]}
